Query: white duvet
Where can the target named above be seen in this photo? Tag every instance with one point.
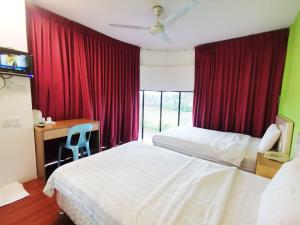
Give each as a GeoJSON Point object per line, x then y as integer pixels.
{"type": "Point", "coordinates": [140, 184]}
{"type": "Point", "coordinates": [203, 143]}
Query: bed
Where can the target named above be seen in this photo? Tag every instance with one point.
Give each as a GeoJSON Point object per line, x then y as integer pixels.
{"type": "Point", "coordinates": [226, 148]}
{"type": "Point", "coordinates": [141, 184]}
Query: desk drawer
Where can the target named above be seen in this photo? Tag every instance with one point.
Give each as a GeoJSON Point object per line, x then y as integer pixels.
{"type": "Point", "coordinates": [63, 132]}
{"type": "Point", "coordinates": [95, 126]}
{"type": "Point", "coordinates": [52, 134]}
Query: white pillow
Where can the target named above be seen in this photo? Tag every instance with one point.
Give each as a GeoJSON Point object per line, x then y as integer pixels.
{"type": "Point", "coordinates": [280, 202]}
{"type": "Point", "coordinates": [270, 137]}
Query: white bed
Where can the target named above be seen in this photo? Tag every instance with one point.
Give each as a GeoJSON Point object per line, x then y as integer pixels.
{"type": "Point", "coordinates": [141, 184]}
{"type": "Point", "coordinates": [221, 147]}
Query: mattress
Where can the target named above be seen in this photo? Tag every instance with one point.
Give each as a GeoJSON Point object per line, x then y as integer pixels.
{"type": "Point", "coordinates": [201, 143]}
{"type": "Point", "coordinates": [72, 209]}
{"type": "Point", "coordinates": [140, 184]}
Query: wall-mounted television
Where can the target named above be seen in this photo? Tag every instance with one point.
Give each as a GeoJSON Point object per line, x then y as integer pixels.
{"type": "Point", "coordinates": [13, 62]}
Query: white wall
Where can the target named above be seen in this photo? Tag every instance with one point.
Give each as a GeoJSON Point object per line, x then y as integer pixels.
{"type": "Point", "coordinates": [167, 70]}
{"type": "Point", "coordinates": [17, 152]}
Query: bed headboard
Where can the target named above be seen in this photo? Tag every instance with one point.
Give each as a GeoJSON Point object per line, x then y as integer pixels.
{"type": "Point", "coordinates": [286, 126]}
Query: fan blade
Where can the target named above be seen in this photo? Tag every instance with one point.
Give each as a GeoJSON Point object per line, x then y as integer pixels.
{"type": "Point", "coordinates": [180, 13]}
{"type": "Point", "coordinates": [129, 27]}
{"type": "Point", "coordinates": [165, 37]}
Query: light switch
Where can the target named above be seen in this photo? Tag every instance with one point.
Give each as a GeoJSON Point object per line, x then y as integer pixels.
{"type": "Point", "coordinates": [16, 122]}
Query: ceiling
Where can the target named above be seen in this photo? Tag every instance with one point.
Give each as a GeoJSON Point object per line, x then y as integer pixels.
{"type": "Point", "coordinates": [209, 21]}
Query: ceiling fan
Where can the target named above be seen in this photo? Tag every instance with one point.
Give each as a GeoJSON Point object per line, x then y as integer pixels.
{"type": "Point", "coordinates": [159, 27]}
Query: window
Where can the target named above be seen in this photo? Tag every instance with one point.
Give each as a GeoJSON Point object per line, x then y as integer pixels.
{"type": "Point", "coordinates": [186, 107]}
{"type": "Point", "coordinates": [151, 123]}
{"type": "Point", "coordinates": [170, 103]}
{"type": "Point", "coordinates": [162, 110]}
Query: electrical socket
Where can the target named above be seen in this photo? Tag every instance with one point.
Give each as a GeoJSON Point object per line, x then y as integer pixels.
{"type": "Point", "coordinates": [14, 86]}
{"type": "Point", "coordinates": [11, 123]}
{"type": "Point", "coordinates": [5, 124]}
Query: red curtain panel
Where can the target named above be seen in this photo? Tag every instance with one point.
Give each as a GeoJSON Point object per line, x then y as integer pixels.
{"type": "Point", "coordinates": [238, 82]}
{"type": "Point", "coordinates": [80, 73]}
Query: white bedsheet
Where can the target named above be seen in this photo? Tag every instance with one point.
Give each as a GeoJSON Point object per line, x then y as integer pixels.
{"type": "Point", "coordinates": [135, 184]}
{"type": "Point", "coordinates": [249, 162]}
{"type": "Point", "coordinates": [198, 192]}
{"type": "Point", "coordinates": [207, 144]}
{"type": "Point", "coordinates": [244, 198]}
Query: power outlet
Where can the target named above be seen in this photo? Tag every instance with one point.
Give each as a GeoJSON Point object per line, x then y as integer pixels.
{"type": "Point", "coordinates": [5, 124]}
{"type": "Point", "coordinates": [11, 123]}
{"type": "Point", "coordinates": [12, 85]}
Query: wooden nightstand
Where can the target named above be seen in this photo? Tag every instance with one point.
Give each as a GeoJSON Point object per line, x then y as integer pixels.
{"type": "Point", "coordinates": [266, 167]}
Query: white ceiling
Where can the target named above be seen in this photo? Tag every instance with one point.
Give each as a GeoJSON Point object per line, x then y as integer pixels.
{"type": "Point", "coordinates": [211, 20]}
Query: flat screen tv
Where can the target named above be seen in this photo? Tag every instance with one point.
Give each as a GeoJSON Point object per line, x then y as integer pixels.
{"type": "Point", "coordinates": [13, 62]}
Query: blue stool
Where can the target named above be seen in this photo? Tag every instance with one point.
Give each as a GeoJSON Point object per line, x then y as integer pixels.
{"type": "Point", "coordinates": [83, 141]}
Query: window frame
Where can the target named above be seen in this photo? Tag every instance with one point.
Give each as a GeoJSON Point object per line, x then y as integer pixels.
{"type": "Point", "coordinates": [160, 108]}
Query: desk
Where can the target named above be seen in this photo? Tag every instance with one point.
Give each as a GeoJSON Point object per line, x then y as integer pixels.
{"type": "Point", "coordinates": [56, 131]}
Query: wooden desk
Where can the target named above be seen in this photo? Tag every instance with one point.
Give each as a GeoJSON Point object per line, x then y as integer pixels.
{"type": "Point", "coordinates": [56, 131]}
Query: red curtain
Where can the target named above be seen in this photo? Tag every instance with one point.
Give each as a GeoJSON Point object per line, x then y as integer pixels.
{"type": "Point", "coordinates": [80, 73]}
{"type": "Point", "coordinates": [238, 81]}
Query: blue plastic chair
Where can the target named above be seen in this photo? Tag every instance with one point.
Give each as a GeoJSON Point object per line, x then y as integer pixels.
{"type": "Point", "coordinates": [83, 141]}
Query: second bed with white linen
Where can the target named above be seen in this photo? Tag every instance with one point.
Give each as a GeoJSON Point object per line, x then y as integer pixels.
{"type": "Point", "coordinates": [140, 184]}
{"type": "Point", "coordinates": [222, 147]}
{"type": "Point", "coordinates": [227, 148]}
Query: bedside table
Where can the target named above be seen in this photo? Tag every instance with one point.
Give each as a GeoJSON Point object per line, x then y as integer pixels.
{"type": "Point", "coordinates": [266, 167]}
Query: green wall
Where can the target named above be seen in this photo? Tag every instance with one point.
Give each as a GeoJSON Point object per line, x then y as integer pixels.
{"type": "Point", "coordinates": [290, 93]}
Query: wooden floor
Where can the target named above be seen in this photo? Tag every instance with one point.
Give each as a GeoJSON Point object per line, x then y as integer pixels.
{"type": "Point", "coordinates": [36, 209]}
